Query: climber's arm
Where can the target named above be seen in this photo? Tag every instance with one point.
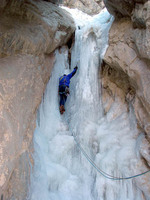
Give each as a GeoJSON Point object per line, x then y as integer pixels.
{"type": "Point", "coordinates": [72, 73]}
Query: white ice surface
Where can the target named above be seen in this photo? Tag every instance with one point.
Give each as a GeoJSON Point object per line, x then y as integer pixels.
{"type": "Point", "coordinates": [61, 172]}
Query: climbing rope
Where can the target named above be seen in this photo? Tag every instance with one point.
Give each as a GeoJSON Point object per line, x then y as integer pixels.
{"type": "Point", "coordinates": [101, 171]}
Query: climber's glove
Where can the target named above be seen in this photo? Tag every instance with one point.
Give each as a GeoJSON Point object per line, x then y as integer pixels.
{"type": "Point", "coordinates": [76, 68]}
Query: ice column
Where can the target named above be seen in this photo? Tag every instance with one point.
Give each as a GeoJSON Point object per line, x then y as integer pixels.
{"type": "Point", "coordinates": [61, 172]}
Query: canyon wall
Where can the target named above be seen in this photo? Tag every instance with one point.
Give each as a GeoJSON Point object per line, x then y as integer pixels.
{"type": "Point", "coordinates": [126, 70]}
{"type": "Point", "coordinates": [90, 7]}
{"type": "Point", "coordinates": [30, 32]}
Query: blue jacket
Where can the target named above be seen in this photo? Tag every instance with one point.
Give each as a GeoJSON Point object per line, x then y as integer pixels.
{"type": "Point", "coordinates": [65, 79]}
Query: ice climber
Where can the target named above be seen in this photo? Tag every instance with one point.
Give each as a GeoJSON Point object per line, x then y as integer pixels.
{"type": "Point", "coordinates": [64, 82]}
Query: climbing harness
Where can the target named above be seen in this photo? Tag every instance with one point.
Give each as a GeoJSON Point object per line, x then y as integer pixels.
{"type": "Point", "coordinates": [63, 90]}
{"type": "Point", "coordinates": [106, 175]}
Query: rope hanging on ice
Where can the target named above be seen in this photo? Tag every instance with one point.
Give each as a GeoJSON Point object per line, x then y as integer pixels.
{"type": "Point", "coordinates": [101, 171]}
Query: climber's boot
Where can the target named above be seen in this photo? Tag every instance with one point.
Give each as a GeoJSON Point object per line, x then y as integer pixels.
{"type": "Point", "coordinates": [62, 109]}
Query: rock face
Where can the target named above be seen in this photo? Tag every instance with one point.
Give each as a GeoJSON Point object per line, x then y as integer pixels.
{"type": "Point", "coordinates": [33, 28]}
{"type": "Point", "coordinates": [22, 81]}
{"type": "Point", "coordinates": [54, 1]}
{"type": "Point", "coordinates": [122, 8]}
{"type": "Point", "coordinates": [90, 7]}
{"type": "Point", "coordinates": [30, 31]}
{"type": "Point", "coordinates": [126, 69]}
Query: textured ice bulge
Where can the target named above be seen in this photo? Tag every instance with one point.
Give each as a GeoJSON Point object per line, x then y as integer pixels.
{"type": "Point", "coordinates": [61, 171]}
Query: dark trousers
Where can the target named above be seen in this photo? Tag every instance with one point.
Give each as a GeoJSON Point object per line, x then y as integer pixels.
{"type": "Point", "coordinates": [62, 94]}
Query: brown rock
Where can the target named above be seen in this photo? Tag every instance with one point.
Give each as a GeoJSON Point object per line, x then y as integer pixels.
{"type": "Point", "coordinates": [90, 7]}
{"type": "Point", "coordinates": [141, 24]}
{"type": "Point", "coordinates": [145, 149]}
{"type": "Point", "coordinates": [30, 27]}
{"type": "Point", "coordinates": [54, 1]}
{"type": "Point", "coordinates": [122, 54]}
{"type": "Point", "coordinates": [30, 31]}
{"type": "Point", "coordinates": [120, 7]}
{"type": "Point", "coordinates": [20, 174]}
{"type": "Point", "coordinates": [129, 53]}
{"type": "Point", "coordinates": [22, 82]}
{"type": "Point", "coordinates": [115, 88]}
{"type": "Point", "coordinates": [3, 3]}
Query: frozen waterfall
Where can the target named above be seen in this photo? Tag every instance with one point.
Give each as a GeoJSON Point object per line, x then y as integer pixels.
{"type": "Point", "coordinates": [61, 172]}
